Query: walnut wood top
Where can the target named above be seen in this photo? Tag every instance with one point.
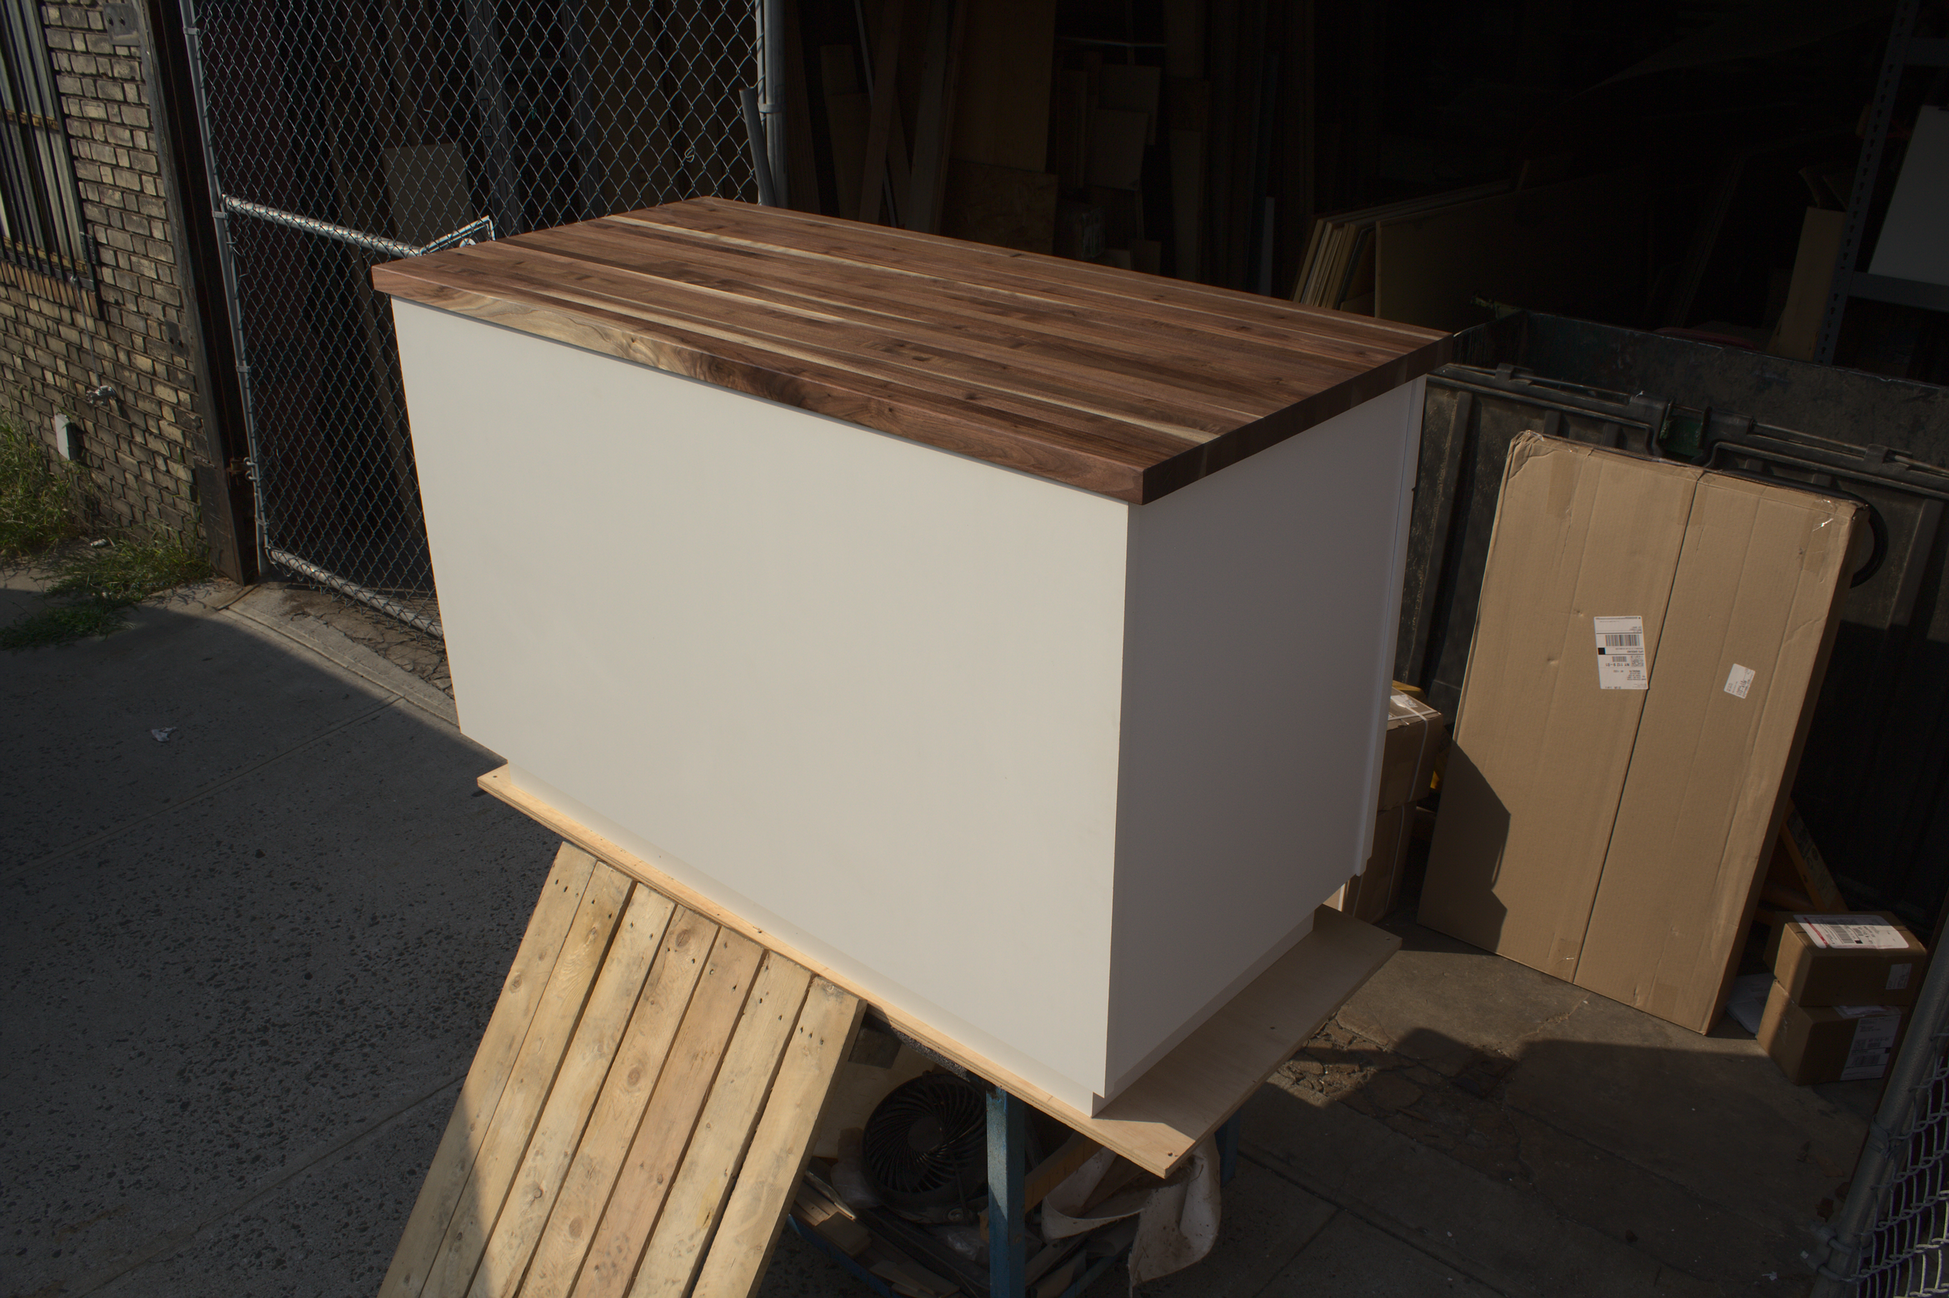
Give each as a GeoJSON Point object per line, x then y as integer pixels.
{"type": "Point", "coordinates": [1117, 382]}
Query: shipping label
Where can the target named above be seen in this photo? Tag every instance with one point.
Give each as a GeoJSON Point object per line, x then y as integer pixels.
{"type": "Point", "coordinates": [1860, 932]}
{"type": "Point", "coordinates": [1620, 653]}
{"type": "Point", "coordinates": [1874, 1041]}
{"type": "Point", "coordinates": [1739, 680]}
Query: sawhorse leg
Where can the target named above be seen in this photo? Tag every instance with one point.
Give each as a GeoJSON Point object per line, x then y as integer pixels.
{"type": "Point", "coordinates": [1007, 1158]}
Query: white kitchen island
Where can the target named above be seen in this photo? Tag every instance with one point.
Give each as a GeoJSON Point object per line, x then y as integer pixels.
{"type": "Point", "coordinates": [1007, 635]}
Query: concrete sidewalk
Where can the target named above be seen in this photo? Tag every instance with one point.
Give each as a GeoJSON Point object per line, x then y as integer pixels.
{"type": "Point", "coordinates": [251, 960]}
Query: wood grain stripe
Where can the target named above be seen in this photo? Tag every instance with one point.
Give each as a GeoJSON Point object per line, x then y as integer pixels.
{"type": "Point", "coordinates": [1120, 383]}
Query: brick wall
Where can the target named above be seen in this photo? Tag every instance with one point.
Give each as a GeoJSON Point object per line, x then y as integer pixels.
{"type": "Point", "coordinates": [56, 345]}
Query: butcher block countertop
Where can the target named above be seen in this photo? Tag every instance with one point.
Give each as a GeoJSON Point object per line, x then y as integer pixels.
{"type": "Point", "coordinates": [1116, 382]}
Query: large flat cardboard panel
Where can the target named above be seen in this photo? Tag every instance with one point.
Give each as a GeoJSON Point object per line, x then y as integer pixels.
{"type": "Point", "coordinates": [1752, 611]}
{"type": "Point", "coordinates": [1539, 752]}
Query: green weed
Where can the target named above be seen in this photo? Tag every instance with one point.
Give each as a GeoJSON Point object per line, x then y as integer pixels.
{"type": "Point", "coordinates": [128, 571]}
{"type": "Point", "coordinates": [36, 508]}
{"type": "Point", "coordinates": [93, 586]}
{"type": "Point", "coordinates": [61, 624]}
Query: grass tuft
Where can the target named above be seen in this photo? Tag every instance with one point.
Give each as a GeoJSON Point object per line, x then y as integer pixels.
{"type": "Point", "coordinates": [35, 501]}
{"type": "Point", "coordinates": [128, 571]}
{"type": "Point", "coordinates": [96, 584]}
{"type": "Point", "coordinates": [61, 624]}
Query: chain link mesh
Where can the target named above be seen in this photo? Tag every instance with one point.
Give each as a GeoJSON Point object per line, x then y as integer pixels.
{"type": "Point", "coordinates": [344, 132]}
{"type": "Point", "coordinates": [1906, 1252]}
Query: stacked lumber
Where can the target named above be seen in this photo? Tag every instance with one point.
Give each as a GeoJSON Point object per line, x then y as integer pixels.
{"type": "Point", "coordinates": [640, 1110]}
{"type": "Point", "coordinates": [1337, 270]}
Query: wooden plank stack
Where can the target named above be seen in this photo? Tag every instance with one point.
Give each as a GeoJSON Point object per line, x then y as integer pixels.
{"type": "Point", "coordinates": [639, 1112]}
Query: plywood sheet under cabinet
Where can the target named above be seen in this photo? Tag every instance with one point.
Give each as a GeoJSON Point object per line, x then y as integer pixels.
{"type": "Point", "coordinates": [1113, 381]}
{"type": "Point", "coordinates": [1182, 1099]}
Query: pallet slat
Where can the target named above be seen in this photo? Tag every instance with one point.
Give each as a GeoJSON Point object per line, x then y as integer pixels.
{"type": "Point", "coordinates": [619, 1107]}
{"type": "Point", "coordinates": [527, 1088]}
{"type": "Point", "coordinates": [644, 1183]}
{"type": "Point", "coordinates": [534, 961]}
{"type": "Point", "coordinates": [584, 1067]}
{"type": "Point", "coordinates": [724, 1131]}
{"type": "Point", "coordinates": [775, 1163]}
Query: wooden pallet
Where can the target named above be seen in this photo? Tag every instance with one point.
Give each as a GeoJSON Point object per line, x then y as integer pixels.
{"type": "Point", "coordinates": [639, 1113]}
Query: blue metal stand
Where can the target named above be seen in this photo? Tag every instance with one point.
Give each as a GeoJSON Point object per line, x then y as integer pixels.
{"type": "Point", "coordinates": [1007, 1233]}
{"type": "Point", "coordinates": [1007, 1226]}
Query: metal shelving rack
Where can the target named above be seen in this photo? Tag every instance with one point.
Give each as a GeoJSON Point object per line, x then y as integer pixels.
{"type": "Point", "coordinates": [1905, 51]}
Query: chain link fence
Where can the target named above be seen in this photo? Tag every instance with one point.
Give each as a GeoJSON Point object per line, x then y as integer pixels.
{"type": "Point", "coordinates": [345, 133]}
{"type": "Point", "coordinates": [1891, 1239]}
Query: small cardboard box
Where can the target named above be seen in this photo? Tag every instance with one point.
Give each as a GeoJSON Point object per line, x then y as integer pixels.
{"type": "Point", "coordinates": [1370, 895]}
{"type": "Point", "coordinates": [1863, 959]}
{"type": "Point", "coordinates": [1829, 1043]}
{"type": "Point", "coordinates": [1416, 734]}
{"type": "Point", "coordinates": [1650, 640]}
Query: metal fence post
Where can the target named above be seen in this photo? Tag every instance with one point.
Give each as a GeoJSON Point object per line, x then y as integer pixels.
{"type": "Point", "coordinates": [227, 262]}
{"type": "Point", "coordinates": [1899, 1185]}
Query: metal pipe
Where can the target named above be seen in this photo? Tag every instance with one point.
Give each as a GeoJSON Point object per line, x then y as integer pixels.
{"type": "Point", "coordinates": [754, 131]}
{"type": "Point", "coordinates": [358, 238]}
{"type": "Point", "coordinates": [352, 590]}
{"type": "Point", "coordinates": [227, 264]}
{"type": "Point", "coordinates": [771, 87]}
{"type": "Point", "coordinates": [1836, 1268]}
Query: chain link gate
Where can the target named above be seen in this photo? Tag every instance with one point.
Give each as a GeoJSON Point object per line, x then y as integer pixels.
{"type": "Point", "coordinates": [1891, 1238]}
{"type": "Point", "coordinates": [344, 133]}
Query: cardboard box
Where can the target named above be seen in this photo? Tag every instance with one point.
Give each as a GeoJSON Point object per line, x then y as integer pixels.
{"type": "Point", "coordinates": [1371, 894]}
{"type": "Point", "coordinates": [1829, 1043]}
{"type": "Point", "coordinates": [1416, 735]}
{"type": "Point", "coordinates": [1649, 643]}
{"type": "Point", "coordinates": [1861, 959]}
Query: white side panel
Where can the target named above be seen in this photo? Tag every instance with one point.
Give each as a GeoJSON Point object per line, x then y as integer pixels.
{"type": "Point", "coordinates": [1261, 622]}
{"type": "Point", "coordinates": [869, 686]}
{"type": "Point", "coordinates": [877, 987]}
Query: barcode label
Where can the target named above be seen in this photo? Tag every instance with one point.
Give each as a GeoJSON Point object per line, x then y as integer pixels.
{"type": "Point", "coordinates": [1875, 1030]}
{"type": "Point", "coordinates": [1620, 653]}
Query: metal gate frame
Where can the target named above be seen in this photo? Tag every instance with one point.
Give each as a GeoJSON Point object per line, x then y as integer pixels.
{"type": "Point", "coordinates": [762, 110]}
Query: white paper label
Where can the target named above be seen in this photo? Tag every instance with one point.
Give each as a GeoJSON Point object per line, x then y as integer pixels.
{"type": "Point", "coordinates": [1874, 1041]}
{"type": "Point", "coordinates": [1897, 977]}
{"type": "Point", "coordinates": [1620, 653]}
{"type": "Point", "coordinates": [1739, 681]}
{"type": "Point", "coordinates": [1860, 932]}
